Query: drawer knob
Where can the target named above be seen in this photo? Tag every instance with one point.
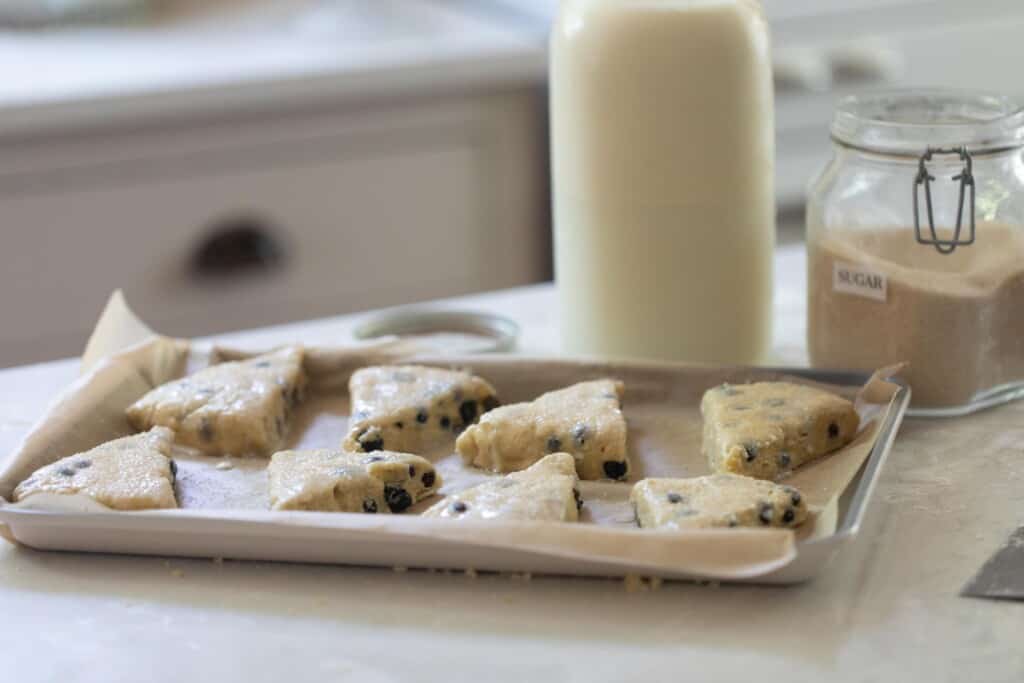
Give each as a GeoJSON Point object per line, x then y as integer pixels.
{"type": "Point", "coordinates": [238, 245]}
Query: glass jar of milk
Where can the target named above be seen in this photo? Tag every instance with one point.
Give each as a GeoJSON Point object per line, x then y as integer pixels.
{"type": "Point", "coordinates": [662, 165]}
{"type": "Point", "coordinates": [915, 235]}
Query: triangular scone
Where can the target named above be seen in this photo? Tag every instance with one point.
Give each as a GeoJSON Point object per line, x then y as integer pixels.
{"type": "Point", "coordinates": [544, 492]}
{"type": "Point", "coordinates": [718, 500]}
{"type": "Point", "coordinates": [130, 473]}
{"type": "Point", "coordinates": [765, 429]}
{"type": "Point", "coordinates": [584, 420]}
{"type": "Point", "coordinates": [413, 408]}
{"type": "Point", "coordinates": [339, 481]}
{"type": "Point", "coordinates": [237, 408]}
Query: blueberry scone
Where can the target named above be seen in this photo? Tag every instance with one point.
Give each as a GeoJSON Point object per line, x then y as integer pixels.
{"type": "Point", "coordinates": [718, 500]}
{"type": "Point", "coordinates": [544, 492]}
{"type": "Point", "coordinates": [130, 473]}
{"type": "Point", "coordinates": [237, 408]}
{"type": "Point", "coordinates": [584, 420]}
{"type": "Point", "coordinates": [340, 481]}
{"type": "Point", "coordinates": [413, 408]}
{"type": "Point", "coordinates": [768, 428]}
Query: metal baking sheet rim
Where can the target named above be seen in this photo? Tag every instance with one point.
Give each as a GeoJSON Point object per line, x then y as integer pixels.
{"type": "Point", "coordinates": [225, 538]}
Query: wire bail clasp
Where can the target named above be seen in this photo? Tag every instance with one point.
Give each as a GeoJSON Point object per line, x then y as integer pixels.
{"type": "Point", "coordinates": [966, 178]}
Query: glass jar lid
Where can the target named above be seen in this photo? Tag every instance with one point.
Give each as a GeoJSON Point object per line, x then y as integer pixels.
{"type": "Point", "coordinates": [908, 122]}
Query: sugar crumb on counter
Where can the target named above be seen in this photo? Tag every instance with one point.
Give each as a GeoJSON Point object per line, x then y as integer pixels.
{"type": "Point", "coordinates": [634, 583]}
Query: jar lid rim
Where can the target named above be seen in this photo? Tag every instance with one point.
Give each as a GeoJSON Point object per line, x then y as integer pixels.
{"type": "Point", "coordinates": [906, 122]}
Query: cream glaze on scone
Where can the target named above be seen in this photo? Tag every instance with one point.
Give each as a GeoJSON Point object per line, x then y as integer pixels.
{"type": "Point", "coordinates": [238, 408]}
{"type": "Point", "coordinates": [718, 500]}
{"type": "Point", "coordinates": [584, 420]}
{"type": "Point", "coordinates": [130, 473]}
{"type": "Point", "coordinates": [765, 429]}
{"type": "Point", "coordinates": [546, 491]}
{"type": "Point", "coordinates": [339, 481]}
{"type": "Point", "coordinates": [413, 408]}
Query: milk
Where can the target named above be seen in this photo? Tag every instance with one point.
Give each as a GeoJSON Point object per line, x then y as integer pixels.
{"type": "Point", "coordinates": [662, 163]}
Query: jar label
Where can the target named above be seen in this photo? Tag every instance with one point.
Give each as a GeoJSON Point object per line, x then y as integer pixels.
{"type": "Point", "coordinates": [859, 281]}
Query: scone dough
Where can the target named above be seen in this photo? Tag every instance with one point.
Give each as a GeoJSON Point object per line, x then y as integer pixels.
{"type": "Point", "coordinates": [584, 420]}
{"type": "Point", "coordinates": [339, 481]}
{"type": "Point", "coordinates": [718, 500]}
{"type": "Point", "coordinates": [238, 408]}
{"type": "Point", "coordinates": [768, 428]}
{"type": "Point", "coordinates": [413, 408]}
{"type": "Point", "coordinates": [544, 492]}
{"type": "Point", "coordinates": [131, 473]}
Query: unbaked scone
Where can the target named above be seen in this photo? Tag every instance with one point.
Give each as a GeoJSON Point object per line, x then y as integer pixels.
{"type": "Point", "coordinates": [584, 420]}
{"type": "Point", "coordinates": [413, 408]}
{"type": "Point", "coordinates": [340, 481]}
{"type": "Point", "coordinates": [718, 500]}
{"type": "Point", "coordinates": [544, 492]}
{"type": "Point", "coordinates": [768, 428]}
{"type": "Point", "coordinates": [237, 408]}
{"type": "Point", "coordinates": [131, 473]}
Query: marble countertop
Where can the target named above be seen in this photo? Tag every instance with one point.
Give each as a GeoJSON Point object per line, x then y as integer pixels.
{"type": "Point", "coordinates": [886, 610]}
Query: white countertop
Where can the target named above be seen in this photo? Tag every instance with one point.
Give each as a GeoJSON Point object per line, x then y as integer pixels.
{"type": "Point", "coordinates": [887, 610]}
{"type": "Point", "coordinates": [209, 56]}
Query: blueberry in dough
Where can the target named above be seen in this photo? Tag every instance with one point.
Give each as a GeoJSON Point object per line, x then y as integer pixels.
{"type": "Point", "coordinates": [371, 441]}
{"type": "Point", "coordinates": [467, 411]}
{"type": "Point", "coordinates": [397, 498]}
{"type": "Point", "coordinates": [615, 469]}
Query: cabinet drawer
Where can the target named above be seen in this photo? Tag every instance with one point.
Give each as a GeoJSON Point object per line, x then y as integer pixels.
{"type": "Point", "coordinates": [360, 219]}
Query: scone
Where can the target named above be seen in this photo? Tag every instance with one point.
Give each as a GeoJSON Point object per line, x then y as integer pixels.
{"type": "Point", "coordinates": [339, 481]}
{"type": "Point", "coordinates": [584, 420]}
{"type": "Point", "coordinates": [544, 492]}
{"type": "Point", "coordinates": [130, 473]}
{"type": "Point", "coordinates": [238, 408]}
{"type": "Point", "coordinates": [413, 408]}
{"type": "Point", "coordinates": [718, 500]}
{"type": "Point", "coordinates": [768, 428]}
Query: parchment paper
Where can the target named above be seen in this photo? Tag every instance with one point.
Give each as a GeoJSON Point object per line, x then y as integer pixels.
{"type": "Point", "coordinates": [661, 407]}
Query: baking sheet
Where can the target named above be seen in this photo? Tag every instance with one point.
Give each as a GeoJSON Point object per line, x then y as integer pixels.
{"type": "Point", "coordinates": [661, 407]}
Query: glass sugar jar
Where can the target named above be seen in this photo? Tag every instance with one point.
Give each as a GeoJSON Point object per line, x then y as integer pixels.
{"type": "Point", "coordinates": [915, 238]}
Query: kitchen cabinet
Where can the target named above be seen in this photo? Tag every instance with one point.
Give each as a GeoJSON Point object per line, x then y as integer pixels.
{"type": "Point", "coordinates": [316, 214]}
{"type": "Point", "coordinates": [302, 178]}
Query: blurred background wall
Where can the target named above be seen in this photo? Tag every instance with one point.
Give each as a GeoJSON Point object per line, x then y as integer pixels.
{"type": "Point", "coordinates": [237, 163]}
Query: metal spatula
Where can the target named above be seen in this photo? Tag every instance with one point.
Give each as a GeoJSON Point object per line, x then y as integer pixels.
{"type": "Point", "coordinates": [1002, 576]}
